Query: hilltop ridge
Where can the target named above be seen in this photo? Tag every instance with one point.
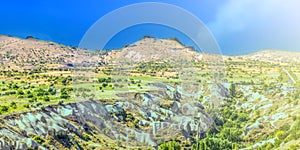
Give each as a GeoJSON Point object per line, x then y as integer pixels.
{"type": "Point", "coordinates": [25, 53]}
{"type": "Point", "coordinates": [18, 54]}
{"type": "Point", "coordinates": [148, 49]}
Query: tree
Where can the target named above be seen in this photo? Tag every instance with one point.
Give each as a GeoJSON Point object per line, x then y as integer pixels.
{"type": "Point", "coordinates": [231, 134]}
{"type": "Point", "coordinates": [104, 85]}
{"type": "Point", "coordinates": [3, 108]}
{"type": "Point", "coordinates": [38, 139]}
{"type": "Point", "coordinates": [29, 37]}
{"type": "Point", "coordinates": [280, 135]}
{"type": "Point", "coordinates": [41, 92]}
{"type": "Point", "coordinates": [213, 143]}
{"type": "Point", "coordinates": [15, 86]}
{"type": "Point", "coordinates": [46, 98]}
{"type": "Point", "coordinates": [52, 90]}
{"type": "Point", "coordinates": [13, 105]}
{"type": "Point", "coordinates": [20, 92]}
{"type": "Point", "coordinates": [66, 80]}
{"type": "Point", "coordinates": [60, 102]}
{"type": "Point", "coordinates": [64, 93]}
{"type": "Point", "coordinates": [172, 145]}
{"type": "Point", "coordinates": [232, 90]}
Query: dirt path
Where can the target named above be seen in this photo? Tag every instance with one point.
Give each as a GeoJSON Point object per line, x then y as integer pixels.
{"type": "Point", "coordinates": [289, 75]}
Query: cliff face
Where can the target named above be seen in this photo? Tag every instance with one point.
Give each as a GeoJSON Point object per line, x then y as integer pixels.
{"type": "Point", "coordinates": [142, 118]}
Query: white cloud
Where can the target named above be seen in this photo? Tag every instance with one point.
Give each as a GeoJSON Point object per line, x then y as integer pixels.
{"type": "Point", "coordinates": [275, 22]}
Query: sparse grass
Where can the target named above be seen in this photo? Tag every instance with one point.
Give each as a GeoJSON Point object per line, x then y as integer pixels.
{"type": "Point", "coordinates": [26, 90]}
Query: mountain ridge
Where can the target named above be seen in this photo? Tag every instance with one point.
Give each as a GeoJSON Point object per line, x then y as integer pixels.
{"type": "Point", "coordinates": [21, 53]}
{"type": "Point", "coordinates": [146, 37]}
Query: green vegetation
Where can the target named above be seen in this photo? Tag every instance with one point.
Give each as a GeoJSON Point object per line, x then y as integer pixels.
{"type": "Point", "coordinates": [256, 108]}
{"type": "Point", "coordinates": [153, 67]}
{"type": "Point", "coordinates": [229, 133]}
{"type": "Point", "coordinates": [22, 90]}
{"type": "Point", "coordinates": [172, 145]}
{"type": "Point", "coordinates": [38, 139]}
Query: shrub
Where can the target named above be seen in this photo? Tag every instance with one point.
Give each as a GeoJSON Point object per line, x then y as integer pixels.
{"type": "Point", "coordinates": [13, 105]}
{"type": "Point", "coordinates": [102, 80]}
{"type": "Point", "coordinates": [64, 96]}
{"type": "Point", "coordinates": [64, 93]}
{"type": "Point", "coordinates": [26, 105]}
{"type": "Point", "coordinates": [52, 90]}
{"type": "Point", "coordinates": [30, 95]}
{"type": "Point", "coordinates": [243, 117]}
{"type": "Point", "coordinates": [41, 92]}
{"type": "Point", "coordinates": [20, 92]}
{"type": "Point", "coordinates": [172, 145]}
{"type": "Point", "coordinates": [104, 85]}
{"type": "Point", "coordinates": [60, 135]}
{"type": "Point", "coordinates": [214, 143]}
{"type": "Point", "coordinates": [280, 134]}
{"type": "Point", "coordinates": [60, 102]}
{"type": "Point", "coordinates": [15, 86]}
{"type": "Point", "coordinates": [66, 80]}
{"type": "Point", "coordinates": [39, 104]}
{"type": "Point", "coordinates": [3, 108]}
{"type": "Point", "coordinates": [20, 96]}
{"type": "Point", "coordinates": [232, 134]}
{"type": "Point", "coordinates": [9, 93]}
{"type": "Point", "coordinates": [38, 139]}
{"type": "Point", "coordinates": [46, 98]}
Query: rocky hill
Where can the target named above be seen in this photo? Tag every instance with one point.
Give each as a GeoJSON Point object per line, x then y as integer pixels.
{"type": "Point", "coordinates": [149, 49]}
{"type": "Point", "coordinates": [91, 124]}
{"type": "Point", "coordinates": [19, 54]}
{"type": "Point", "coordinates": [275, 56]}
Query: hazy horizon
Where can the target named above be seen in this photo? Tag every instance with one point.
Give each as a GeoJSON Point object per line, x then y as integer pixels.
{"type": "Point", "coordinates": [113, 44]}
{"type": "Point", "coordinates": [239, 27]}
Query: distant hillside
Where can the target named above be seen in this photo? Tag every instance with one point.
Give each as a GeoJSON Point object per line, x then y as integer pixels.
{"type": "Point", "coordinates": [149, 49]}
{"type": "Point", "coordinates": [16, 53]}
{"type": "Point", "coordinates": [274, 56]}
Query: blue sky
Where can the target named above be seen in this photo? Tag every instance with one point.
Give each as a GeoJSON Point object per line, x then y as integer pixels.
{"type": "Point", "coordinates": [239, 26]}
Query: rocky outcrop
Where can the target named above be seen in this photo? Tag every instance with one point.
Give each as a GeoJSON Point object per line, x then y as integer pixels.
{"type": "Point", "coordinates": [188, 118]}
